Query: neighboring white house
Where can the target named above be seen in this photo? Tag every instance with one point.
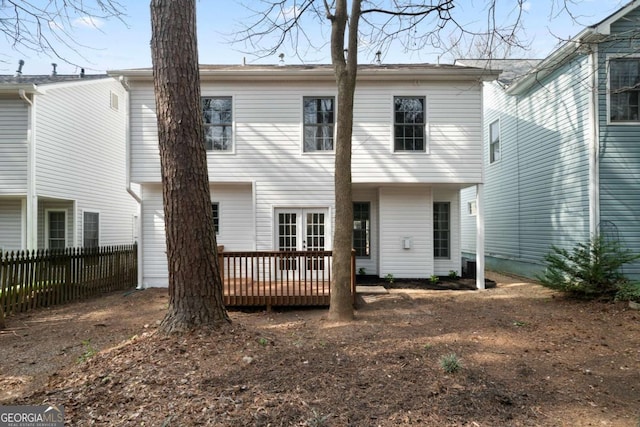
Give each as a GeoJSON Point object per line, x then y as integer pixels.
{"type": "Point", "coordinates": [417, 140]}
{"type": "Point", "coordinates": [63, 176]}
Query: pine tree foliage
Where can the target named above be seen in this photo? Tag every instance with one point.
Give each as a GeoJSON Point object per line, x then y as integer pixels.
{"type": "Point", "coordinates": [590, 270]}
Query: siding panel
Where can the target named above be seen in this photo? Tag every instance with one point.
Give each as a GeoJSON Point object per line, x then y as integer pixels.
{"type": "Point", "coordinates": [14, 122]}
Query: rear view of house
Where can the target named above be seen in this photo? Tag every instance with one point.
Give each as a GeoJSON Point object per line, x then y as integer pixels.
{"type": "Point", "coordinates": [62, 163]}
{"type": "Point", "coordinates": [562, 150]}
{"type": "Point", "coordinates": [417, 140]}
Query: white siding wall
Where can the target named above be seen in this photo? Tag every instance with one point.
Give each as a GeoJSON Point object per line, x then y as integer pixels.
{"type": "Point", "coordinates": [237, 229]}
{"type": "Point", "coordinates": [468, 222]}
{"type": "Point", "coordinates": [454, 127]}
{"type": "Point", "coordinates": [14, 121]}
{"type": "Point", "coordinates": [268, 134]}
{"type": "Point", "coordinates": [267, 120]}
{"type": "Point", "coordinates": [10, 224]}
{"type": "Point", "coordinates": [81, 155]}
{"type": "Point", "coordinates": [406, 212]}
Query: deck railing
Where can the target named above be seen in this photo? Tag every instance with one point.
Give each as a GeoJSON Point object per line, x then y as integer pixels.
{"type": "Point", "coordinates": [280, 278]}
{"type": "Point", "coordinates": [42, 278]}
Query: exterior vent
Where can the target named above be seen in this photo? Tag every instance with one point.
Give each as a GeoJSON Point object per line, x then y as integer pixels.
{"type": "Point", "coordinates": [114, 101]}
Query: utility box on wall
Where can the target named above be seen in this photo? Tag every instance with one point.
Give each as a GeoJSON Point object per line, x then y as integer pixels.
{"type": "Point", "coordinates": [406, 243]}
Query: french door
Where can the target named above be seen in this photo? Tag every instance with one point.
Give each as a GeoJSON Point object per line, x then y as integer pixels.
{"type": "Point", "coordinates": [302, 230]}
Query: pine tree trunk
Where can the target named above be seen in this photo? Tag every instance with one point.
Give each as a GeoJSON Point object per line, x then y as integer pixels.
{"type": "Point", "coordinates": [195, 285]}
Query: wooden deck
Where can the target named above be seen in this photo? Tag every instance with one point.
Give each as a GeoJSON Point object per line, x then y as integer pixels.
{"type": "Point", "coordinates": [278, 278]}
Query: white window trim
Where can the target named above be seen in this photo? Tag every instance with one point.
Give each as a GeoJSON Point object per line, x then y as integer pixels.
{"type": "Point", "coordinates": [335, 124]}
{"type": "Point", "coordinates": [99, 224]}
{"type": "Point", "coordinates": [472, 208]}
{"type": "Point", "coordinates": [233, 121]}
{"type": "Point", "coordinates": [46, 226]}
{"type": "Point", "coordinates": [427, 127]}
{"type": "Point", "coordinates": [608, 58]}
{"type": "Point", "coordinates": [499, 140]}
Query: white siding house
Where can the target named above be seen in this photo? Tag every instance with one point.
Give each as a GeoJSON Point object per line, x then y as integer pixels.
{"type": "Point", "coordinates": [63, 163]}
{"type": "Point", "coordinates": [417, 140]}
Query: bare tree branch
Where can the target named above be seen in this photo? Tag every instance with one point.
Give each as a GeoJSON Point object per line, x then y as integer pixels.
{"type": "Point", "coordinates": [45, 27]}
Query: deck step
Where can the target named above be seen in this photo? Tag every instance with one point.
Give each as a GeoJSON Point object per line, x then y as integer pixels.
{"type": "Point", "coordinates": [371, 290]}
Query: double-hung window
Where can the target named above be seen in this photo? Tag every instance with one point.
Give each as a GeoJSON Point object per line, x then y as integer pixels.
{"type": "Point", "coordinates": [409, 128]}
{"type": "Point", "coordinates": [494, 141]}
{"type": "Point", "coordinates": [361, 228]}
{"type": "Point", "coordinates": [90, 229]}
{"type": "Point", "coordinates": [319, 115]}
{"type": "Point", "coordinates": [56, 229]}
{"type": "Point", "coordinates": [624, 87]}
{"type": "Point", "coordinates": [441, 229]}
{"type": "Point", "coordinates": [217, 115]}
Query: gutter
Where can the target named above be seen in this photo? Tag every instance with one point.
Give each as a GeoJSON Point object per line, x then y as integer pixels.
{"type": "Point", "coordinates": [130, 190]}
{"type": "Point", "coordinates": [32, 196]}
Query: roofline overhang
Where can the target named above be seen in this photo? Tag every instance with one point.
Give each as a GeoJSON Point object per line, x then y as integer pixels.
{"type": "Point", "coordinates": [577, 45]}
{"type": "Point", "coordinates": [323, 74]}
{"type": "Point", "coordinates": [12, 88]}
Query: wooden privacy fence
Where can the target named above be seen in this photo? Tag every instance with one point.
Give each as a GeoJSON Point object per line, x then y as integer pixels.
{"type": "Point", "coordinates": [278, 278]}
{"type": "Point", "coordinates": [42, 278]}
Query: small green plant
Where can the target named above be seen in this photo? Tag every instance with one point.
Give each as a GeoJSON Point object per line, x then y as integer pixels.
{"type": "Point", "coordinates": [590, 270]}
{"type": "Point", "coordinates": [427, 346]}
{"type": "Point", "coordinates": [263, 341]}
{"type": "Point", "coordinates": [318, 420]}
{"type": "Point", "coordinates": [434, 279]}
{"type": "Point", "coordinates": [389, 278]}
{"type": "Point", "coordinates": [519, 323]}
{"type": "Point", "coordinates": [453, 274]}
{"type": "Point", "coordinates": [88, 353]}
{"type": "Point", "coordinates": [362, 271]}
{"type": "Point", "coordinates": [450, 363]}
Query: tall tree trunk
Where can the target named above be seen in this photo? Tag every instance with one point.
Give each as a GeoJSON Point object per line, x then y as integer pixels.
{"type": "Point", "coordinates": [341, 304]}
{"type": "Point", "coordinates": [195, 285]}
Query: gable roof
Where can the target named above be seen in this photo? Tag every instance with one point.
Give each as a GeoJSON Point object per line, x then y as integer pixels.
{"type": "Point", "coordinates": [325, 72]}
{"type": "Point", "coordinates": [510, 69]}
{"type": "Point", "coordinates": [567, 50]}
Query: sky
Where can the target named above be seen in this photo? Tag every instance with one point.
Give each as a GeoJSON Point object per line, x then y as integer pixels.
{"type": "Point", "coordinates": [100, 45]}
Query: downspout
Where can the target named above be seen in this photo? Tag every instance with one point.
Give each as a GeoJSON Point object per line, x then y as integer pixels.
{"type": "Point", "coordinates": [136, 196]}
{"type": "Point", "coordinates": [594, 145]}
{"type": "Point", "coordinates": [31, 229]}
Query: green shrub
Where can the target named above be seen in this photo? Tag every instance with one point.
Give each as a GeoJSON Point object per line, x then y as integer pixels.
{"type": "Point", "coordinates": [450, 363]}
{"type": "Point", "coordinates": [628, 291]}
{"type": "Point", "coordinates": [590, 270]}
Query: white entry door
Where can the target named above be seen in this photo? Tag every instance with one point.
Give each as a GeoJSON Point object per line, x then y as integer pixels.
{"type": "Point", "coordinates": [302, 230]}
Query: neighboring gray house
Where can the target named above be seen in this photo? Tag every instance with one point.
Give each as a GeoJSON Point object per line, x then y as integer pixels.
{"type": "Point", "coordinates": [562, 150]}
{"type": "Point", "coordinates": [63, 163]}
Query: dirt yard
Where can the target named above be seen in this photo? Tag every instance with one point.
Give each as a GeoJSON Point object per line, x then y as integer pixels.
{"type": "Point", "coordinates": [527, 356]}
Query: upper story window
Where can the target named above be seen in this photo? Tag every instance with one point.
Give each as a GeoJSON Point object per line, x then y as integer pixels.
{"type": "Point", "coordinates": [409, 123]}
{"type": "Point", "coordinates": [218, 123]}
{"type": "Point", "coordinates": [494, 141]}
{"type": "Point", "coordinates": [318, 124]}
{"type": "Point", "coordinates": [624, 86]}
